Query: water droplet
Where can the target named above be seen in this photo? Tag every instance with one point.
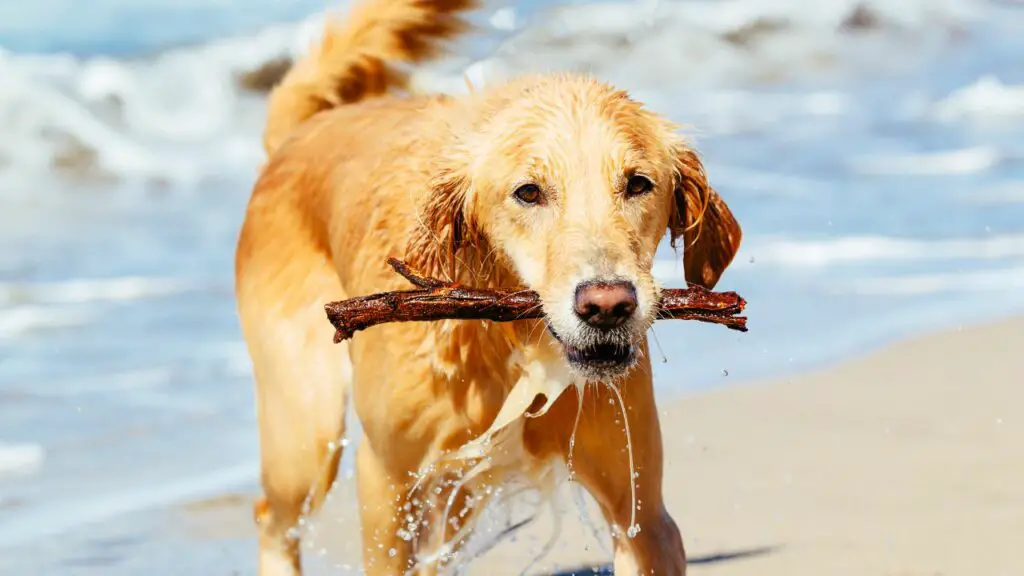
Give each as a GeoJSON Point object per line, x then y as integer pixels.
{"type": "Point", "coordinates": [344, 442]}
{"type": "Point", "coordinates": [751, 259]}
{"type": "Point", "coordinates": [392, 553]}
{"type": "Point", "coordinates": [633, 531]}
{"type": "Point", "coordinates": [725, 372]}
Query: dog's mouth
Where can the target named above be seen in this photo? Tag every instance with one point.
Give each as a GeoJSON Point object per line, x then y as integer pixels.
{"type": "Point", "coordinates": [598, 359]}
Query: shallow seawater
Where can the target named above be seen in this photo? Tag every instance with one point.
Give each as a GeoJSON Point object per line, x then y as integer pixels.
{"type": "Point", "coordinates": [881, 189]}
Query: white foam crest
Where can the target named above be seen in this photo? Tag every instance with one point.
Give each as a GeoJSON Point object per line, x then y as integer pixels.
{"type": "Point", "coordinates": [14, 322]}
{"type": "Point", "coordinates": [20, 458]}
{"type": "Point", "coordinates": [960, 161]}
{"type": "Point", "coordinates": [856, 249]}
{"type": "Point", "coordinates": [83, 290]}
{"type": "Point", "coordinates": [119, 383]}
{"type": "Point", "coordinates": [998, 280]}
{"type": "Point", "coordinates": [987, 100]}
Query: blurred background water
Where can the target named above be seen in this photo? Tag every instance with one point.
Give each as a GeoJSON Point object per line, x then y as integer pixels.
{"type": "Point", "coordinates": [873, 151]}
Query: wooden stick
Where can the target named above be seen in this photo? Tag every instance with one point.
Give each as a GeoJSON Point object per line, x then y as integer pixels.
{"type": "Point", "coordinates": [434, 299]}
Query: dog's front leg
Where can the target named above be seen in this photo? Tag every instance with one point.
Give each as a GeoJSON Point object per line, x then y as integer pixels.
{"type": "Point", "coordinates": [593, 440]}
{"type": "Point", "coordinates": [382, 496]}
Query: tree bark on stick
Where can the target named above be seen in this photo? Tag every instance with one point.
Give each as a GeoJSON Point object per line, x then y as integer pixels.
{"type": "Point", "coordinates": [434, 299]}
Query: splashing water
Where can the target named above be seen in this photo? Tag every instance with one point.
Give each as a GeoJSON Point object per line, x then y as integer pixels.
{"type": "Point", "coordinates": [572, 437]}
{"type": "Point", "coordinates": [579, 496]}
{"type": "Point", "coordinates": [633, 528]}
{"type": "Point", "coordinates": [302, 525]}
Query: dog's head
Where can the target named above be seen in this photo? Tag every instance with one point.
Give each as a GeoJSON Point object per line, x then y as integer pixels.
{"type": "Point", "coordinates": [571, 185]}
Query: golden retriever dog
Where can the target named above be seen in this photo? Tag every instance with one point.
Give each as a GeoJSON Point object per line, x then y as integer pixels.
{"type": "Point", "coordinates": [557, 183]}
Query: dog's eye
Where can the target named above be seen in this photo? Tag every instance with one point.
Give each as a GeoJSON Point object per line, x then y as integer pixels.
{"type": "Point", "coordinates": [528, 194]}
{"type": "Point", "coordinates": [637, 185]}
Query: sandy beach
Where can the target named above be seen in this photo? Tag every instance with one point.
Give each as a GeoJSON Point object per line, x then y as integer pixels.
{"type": "Point", "coordinates": [906, 462]}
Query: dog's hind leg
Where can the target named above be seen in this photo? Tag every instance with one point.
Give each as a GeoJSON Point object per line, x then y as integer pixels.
{"type": "Point", "coordinates": [302, 384]}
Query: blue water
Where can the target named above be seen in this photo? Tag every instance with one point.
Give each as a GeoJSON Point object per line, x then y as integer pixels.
{"type": "Point", "coordinates": [121, 365]}
{"type": "Point", "coordinates": [126, 27]}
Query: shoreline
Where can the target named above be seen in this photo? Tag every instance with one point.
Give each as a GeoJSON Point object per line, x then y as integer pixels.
{"type": "Point", "coordinates": [750, 477]}
{"type": "Point", "coordinates": [862, 348]}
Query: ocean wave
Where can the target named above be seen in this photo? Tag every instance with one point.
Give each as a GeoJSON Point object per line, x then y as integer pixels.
{"type": "Point", "coordinates": [117, 383]}
{"type": "Point", "coordinates": [195, 112]}
{"type": "Point", "coordinates": [987, 100]}
{"type": "Point", "coordinates": [960, 161]}
{"type": "Point", "coordinates": [1011, 192]}
{"type": "Point", "coordinates": [20, 459]}
{"type": "Point", "coordinates": [853, 251]}
{"type": "Point", "coordinates": [180, 115]}
{"type": "Point", "coordinates": [858, 249]}
{"type": "Point", "coordinates": [1009, 280]}
{"type": "Point", "coordinates": [82, 290]}
{"type": "Point", "coordinates": [14, 322]}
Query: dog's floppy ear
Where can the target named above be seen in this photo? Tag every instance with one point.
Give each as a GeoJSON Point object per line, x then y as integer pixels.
{"type": "Point", "coordinates": [711, 236]}
{"type": "Point", "coordinates": [442, 228]}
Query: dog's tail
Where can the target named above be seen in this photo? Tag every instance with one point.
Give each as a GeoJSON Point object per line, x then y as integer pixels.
{"type": "Point", "coordinates": [356, 58]}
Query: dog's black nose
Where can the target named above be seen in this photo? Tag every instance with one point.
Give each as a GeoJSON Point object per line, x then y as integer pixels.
{"type": "Point", "coordinates": [605, 305]}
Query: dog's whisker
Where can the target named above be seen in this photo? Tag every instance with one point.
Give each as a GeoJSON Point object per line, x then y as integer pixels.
{"type": "Point", "coordinates": [654, 334]}
{"type": "Point", "coordinates": [633, 528]}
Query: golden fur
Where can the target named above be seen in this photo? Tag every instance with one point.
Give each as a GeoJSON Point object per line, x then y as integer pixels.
{"type": "Point", "coordinates": [356, 174]}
